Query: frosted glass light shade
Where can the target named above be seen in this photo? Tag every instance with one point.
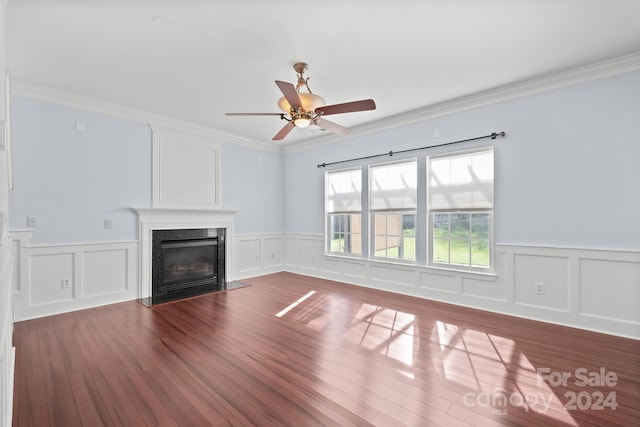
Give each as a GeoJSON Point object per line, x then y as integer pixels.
{"type": "Point", "coordinates": [308, 101]}
{"type": "Point", "coordinates": [302, 122]}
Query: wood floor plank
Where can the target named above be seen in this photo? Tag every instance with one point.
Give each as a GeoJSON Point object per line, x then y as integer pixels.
{"type": "Point", "coordinates": [108, 393]}
{"type": "Point", "coordinates": [91, 407]}
{"type": "Point", "coordinates": [290, 350]}
{"type": "Point", "coordinates": [29, 390]}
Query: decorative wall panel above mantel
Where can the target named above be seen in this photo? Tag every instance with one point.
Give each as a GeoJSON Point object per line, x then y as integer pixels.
{"type": "Point", "coordinates": [186, 170]}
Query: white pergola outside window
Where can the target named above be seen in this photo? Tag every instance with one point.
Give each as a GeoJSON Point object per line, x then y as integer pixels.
{"type": "Point", "coordinates": [392, 205]}
{"type": "Point", "coordinates": [460, 204]}
{"type": "Point", "coordinates": [343, 207]}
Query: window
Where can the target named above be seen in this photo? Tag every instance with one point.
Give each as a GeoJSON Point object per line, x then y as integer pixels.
{"type": "Point", "coordinates": [345, 234]}
{"type": "Point", "coordinates": [393, 202]}
{"type": "Point", "coordinates": [430, 211]}
{"type": "Point", "coordinates": [460, 204]}
{"type": "Point", "coordinates": [461, 238]}
{"type": "Point", "coordinates": [343, 210]}
{"type": "Point", "coordinates": [395, 235]}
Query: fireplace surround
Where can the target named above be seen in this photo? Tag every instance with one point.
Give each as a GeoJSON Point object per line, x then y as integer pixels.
{"type": "Point", "coordinates": [186, 263]}
{"type": "Point", "coordinates": [178, 221]}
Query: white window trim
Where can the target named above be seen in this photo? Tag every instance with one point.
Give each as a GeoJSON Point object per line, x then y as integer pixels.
{"type": "Point", "coordinates": [424, 232]}
{"type": "Point", "coordinates": [327, 232]}
{"type": "Point", "coordinates": [490, 271]}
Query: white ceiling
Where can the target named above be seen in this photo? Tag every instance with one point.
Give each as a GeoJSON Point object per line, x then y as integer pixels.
{"type": "Point", "coordinates": [195, 60]}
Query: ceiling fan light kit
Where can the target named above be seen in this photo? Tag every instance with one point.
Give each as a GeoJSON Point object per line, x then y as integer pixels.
{"type": "Point", "coordinates": [302, 109]}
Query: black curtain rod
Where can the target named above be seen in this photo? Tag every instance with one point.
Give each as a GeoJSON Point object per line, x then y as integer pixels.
{"type": "Point", "coordinates": [494, 135]}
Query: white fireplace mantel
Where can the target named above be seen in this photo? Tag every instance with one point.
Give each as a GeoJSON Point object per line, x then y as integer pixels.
{"type": "Point", "coordinates": [150, 219]}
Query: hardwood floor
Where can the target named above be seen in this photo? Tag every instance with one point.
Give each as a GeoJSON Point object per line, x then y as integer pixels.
{"type": "Point", "coordinates": [291, 350]}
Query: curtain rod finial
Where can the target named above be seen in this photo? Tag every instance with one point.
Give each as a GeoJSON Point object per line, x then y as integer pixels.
{"type": "Point", "coordinates": [494, 135]}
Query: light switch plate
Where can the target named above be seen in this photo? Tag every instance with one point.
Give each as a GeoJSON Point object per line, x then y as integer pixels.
{"type": "Point", "coordinates": [32, 221]}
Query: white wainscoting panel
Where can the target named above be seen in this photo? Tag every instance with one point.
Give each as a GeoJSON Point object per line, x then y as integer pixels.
{"type": "Point", "coordinates": [551, 272]}
{"type": "Point", "coordinates": [272, 252]}
{"type": "Point", "coordinates": [99, 274]}
{"type": "Point", "coordinates": [247, 256]}
{"type": "Point", "coordinates": [338, 269]}
{"type": "Point", "coordinates": [483, 287]}
{"type": "Point", "coordinates": [610, 289]}
{"type": "Point", "coordinates": [99, 281]}
{"type": "Point", "coordinates": [256, 255]}
{"type": "Point", "coordinates": [439, 282]}
{"type": "Point", "coordinates": [310, 252]}
{"type": "Point", "coordinates": [597, 290]}
{"type": "Point", "coordinates": [291, 251]}
{"type": "Point", "coordinates": [46, 269]}
{"type": "Point", "coordinates": [394, 276]}
{"type": "Point", "coordinates": [7, 351]}
{"type": "Point", "coordinates": [352, 269]}
{"type": "Point", "coordinates": [19, 239]}
{"type": "Point", "coordinates": [7, 370]}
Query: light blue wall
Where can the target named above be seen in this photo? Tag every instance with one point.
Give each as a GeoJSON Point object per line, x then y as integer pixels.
{"type": "Point", "coordinates": [72, 181]}
{"type": "Point", "coordinates": [567, 173]}
{"type": "Point", "coordinates": [252, 183]}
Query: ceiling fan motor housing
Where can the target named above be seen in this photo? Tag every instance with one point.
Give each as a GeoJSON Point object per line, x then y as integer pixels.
{"type": "Point", "coordinates": [307, 108]}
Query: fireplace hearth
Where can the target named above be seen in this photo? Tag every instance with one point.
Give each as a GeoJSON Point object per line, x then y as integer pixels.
{"type": "Point", "coordinates": [187, 263]}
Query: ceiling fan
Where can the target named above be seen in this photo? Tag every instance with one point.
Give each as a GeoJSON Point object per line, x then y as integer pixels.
{"type": "Point", "coordinates": [305, 108]}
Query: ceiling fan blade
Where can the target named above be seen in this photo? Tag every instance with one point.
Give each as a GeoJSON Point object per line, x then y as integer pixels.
{"type": "Point", "coordinates": [253, 114]}
{"type": "Point", "coordinates": [347, 107]}
{"type": "Point", "coordinates": [333, 127]}
{"type": "Point", "coordinates": [290, 93]}
{"type": "Point", "coordinates": [284, 131]}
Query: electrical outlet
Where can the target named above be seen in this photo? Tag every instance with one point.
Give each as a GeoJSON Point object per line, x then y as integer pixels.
{"type": "Point", "coordinates": [108, 224]}
{"type": "Point", "coordinates": [66, 282]}
{"type": "Point", "coordinates": [539, 288]}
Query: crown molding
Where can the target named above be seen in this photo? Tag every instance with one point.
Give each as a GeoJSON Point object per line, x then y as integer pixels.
{"type": "Point", "coordinates": [154, 120]}
{"type": "Point", "coordinates": [603, 69]}
{"type": "Point", "coordinates": [621, 65]}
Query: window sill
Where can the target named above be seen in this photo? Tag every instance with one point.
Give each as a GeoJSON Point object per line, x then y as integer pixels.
{"type": "Point", "coordinates": [489, 275]}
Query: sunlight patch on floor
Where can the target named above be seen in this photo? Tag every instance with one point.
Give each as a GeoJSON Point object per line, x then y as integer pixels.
{"type": "Point", "coordinates": [295, 304]}
{"type": "Point", "coordinates": [385, 331]}
{"type": "Point", "coordinates": [497, 375]}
